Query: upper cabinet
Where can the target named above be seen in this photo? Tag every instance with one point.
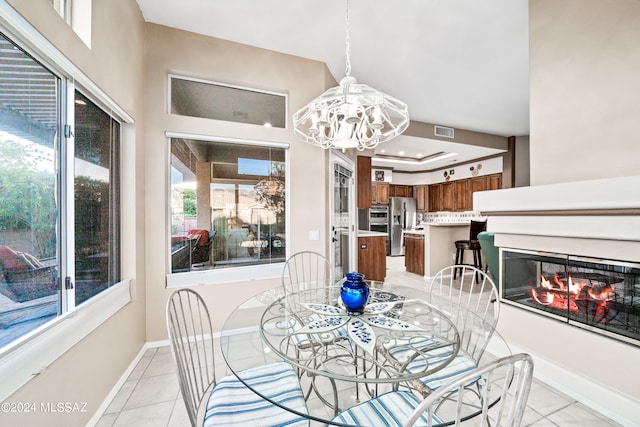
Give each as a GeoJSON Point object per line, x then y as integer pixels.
{"type": "Point", "coordinates": [380, 193]}
{"type": "Point", "coordinates": [458, 195]}
{"type": "Point", "coordinates": [397, 190]}
{"type": "Point", "coordinates": [421, 193]}
{"type": "Point", "coordinates": [364, 182]}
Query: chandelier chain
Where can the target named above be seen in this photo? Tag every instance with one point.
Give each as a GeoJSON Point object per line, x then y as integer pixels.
{"type": "Point", "coordinates": [348, 40]}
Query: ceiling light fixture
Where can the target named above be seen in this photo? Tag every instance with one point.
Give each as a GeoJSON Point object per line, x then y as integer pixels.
{"type": "Point", "coordinates": [351, 115]}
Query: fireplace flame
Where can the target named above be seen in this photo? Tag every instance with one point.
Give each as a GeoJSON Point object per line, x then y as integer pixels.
{"type": "Point", "coordinates": [562, 294]}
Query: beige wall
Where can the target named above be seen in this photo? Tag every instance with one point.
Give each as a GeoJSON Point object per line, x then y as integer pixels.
{"type": "Point", "coordinates": [115, 62]}
{"type": "Point", "coordinates": [584, 62]}
{"type": "Point", "coordinates": [189, 54]}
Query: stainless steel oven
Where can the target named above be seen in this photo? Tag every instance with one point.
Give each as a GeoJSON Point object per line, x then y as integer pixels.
{"type": "Point", "coordinates": [379, 214]}
{"type": "Point", "coordinates": [379, 221]}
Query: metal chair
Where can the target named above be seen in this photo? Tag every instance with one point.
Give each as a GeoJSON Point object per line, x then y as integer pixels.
{"type": "Point", "coordinates": [228, 401]}
{"type": "Point", "coordinates": [306, 270]}
{"type": "Point", "coordinates": [472, 303]}
{"type": "Point", "coordinates": [503, 390]}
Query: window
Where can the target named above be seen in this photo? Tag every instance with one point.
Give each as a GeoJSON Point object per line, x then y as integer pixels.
{"type": "Point", "coordinates": [97, 205]}
{"type": "Point", "coordinates": [199, 98]}
{"type": "Point", "coordinates": [227, 204]}
{"type": "Point", "coordinates": [44, 271]}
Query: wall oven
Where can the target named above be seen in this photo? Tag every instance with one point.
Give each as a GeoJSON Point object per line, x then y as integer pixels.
{"type": "Point", "coordinates": [379, 220]}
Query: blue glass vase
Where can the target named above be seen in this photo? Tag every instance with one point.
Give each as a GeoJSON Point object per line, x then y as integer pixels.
{"type": "Point", "coordinates": [354, 293]}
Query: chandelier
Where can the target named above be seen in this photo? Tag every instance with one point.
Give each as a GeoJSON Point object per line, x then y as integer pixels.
{"type": "Point", "coordinates": [351, 115]}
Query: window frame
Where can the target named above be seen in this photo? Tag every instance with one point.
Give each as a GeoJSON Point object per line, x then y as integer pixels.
{"type": "Point", "coordinates": [231, 274]}
{"type": "Point", "coordinates": [30, 354]}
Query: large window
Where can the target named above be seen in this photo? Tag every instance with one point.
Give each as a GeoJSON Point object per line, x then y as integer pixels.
{"type": "Point", "coordinates": [227, 204]}
{"type": "Point", "coordinates": [59, 210]}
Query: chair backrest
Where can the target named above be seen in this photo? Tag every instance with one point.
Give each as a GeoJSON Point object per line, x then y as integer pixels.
{"type": "Point", "coordinates": [189, 327]}
{"type": "Point", "coordinates": [306, 270]}
{"type": "Point", "coordinates": [491, 253]}
{"type": "Point", "coordinates": [505, 381]}
{"type": "Point", "coordinates": [475, 228]}
{"type": "Point", "coordinates": [471, 300]}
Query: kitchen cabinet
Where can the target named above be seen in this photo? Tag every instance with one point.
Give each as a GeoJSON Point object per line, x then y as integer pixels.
{"type": "Point", "coordinates": [494, 182]}
{"type": "Point", "coordinates": [435, 199]}
{"type": "Point", "coordinates": [457, 196]}
{"type": "Point", "coordinates": [398, 190]}
{"type": "Point", "coordinates": [414, 253]}
{"type": "Point", "coordinates": [364, 182]}
{"type": "Point", "coordinates": [448, 197]}
{"type": "Point", "coordinates": [461, 194]}
{"type": "Point", "coordinates": [421, 194]}
{"type": "Point", "coordinates": [372, 257]}
{"type": "Point", "coordinates": [380, 193]}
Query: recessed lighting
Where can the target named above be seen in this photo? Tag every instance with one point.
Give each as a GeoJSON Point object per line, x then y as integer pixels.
{"type": "Point", "coordinates": [419, 155]}
{"type": "Point", "coordinates": [267, 124]}
{"type": "Point", "coordinates": [401, 153]}
{"type": "Point", "coordinates": [419, 162]}
{"type": "Point", "coordinates": [382, 151]}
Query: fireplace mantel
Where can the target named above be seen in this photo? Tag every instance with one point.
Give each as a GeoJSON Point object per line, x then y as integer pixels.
{"type": "Point", "coordinates": [607, 209]}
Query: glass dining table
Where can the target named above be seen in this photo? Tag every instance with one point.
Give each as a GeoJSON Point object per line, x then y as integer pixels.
{"type": "Point", "coordinates": [345, 358]}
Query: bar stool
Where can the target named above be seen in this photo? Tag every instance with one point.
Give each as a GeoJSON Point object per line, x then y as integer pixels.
{"type": "Point", "coordinates": [475, 228]}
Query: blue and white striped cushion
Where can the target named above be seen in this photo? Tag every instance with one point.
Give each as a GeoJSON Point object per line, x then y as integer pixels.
{"type": "Point", "coordinates": [461, 364]}
{"type": "Point", "coordinates": [232, 404]}
{"type": "Point", "coordinates": [390, 409]}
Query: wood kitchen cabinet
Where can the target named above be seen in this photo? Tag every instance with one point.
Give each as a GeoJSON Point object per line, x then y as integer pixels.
{"type": "Point", "coordinates": [398, 190]}
{"type": "Point", "coordinates": [414, 253]}
{"type": "Point", "coordinates": [457, 196]}
{"type": "Point", "coordinates": [494, 182]}
{"type": "Point", "coordinates": [435, 199]}
{"type": "Point", "coordinates": [364, 182]}
{"type": "Point", "coordinates": [372, 257]}
{"type": "Point", "coordinates": [461, 193]}
{"type": "Point", "coordinates": [380, 193]}
{"type": "Point", "coordinates": [421, 194]}
{"type": "Point", "coordinates": [448, 197]}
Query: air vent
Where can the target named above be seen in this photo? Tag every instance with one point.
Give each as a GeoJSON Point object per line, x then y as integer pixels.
{"type": "Point", "coordinates": [443, 131]}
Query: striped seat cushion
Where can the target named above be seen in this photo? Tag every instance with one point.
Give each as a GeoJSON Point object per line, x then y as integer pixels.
{"type": "Point", "coordinates": [390, 409]}
{"type": "Point", "coordinates": [461, 364]}
{"type": "Point", "coordinates": [231, 403]}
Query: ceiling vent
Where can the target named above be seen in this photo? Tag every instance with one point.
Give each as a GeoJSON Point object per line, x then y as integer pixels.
{"type": "Point", "coordinates": [443, 131]}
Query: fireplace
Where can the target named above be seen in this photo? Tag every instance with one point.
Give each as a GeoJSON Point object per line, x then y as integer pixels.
{"type": "Point", "coordinates": [600, 295]}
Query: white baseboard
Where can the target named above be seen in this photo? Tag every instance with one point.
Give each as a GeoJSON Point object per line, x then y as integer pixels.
{"type": "Point", "coordinates": [621, 408]}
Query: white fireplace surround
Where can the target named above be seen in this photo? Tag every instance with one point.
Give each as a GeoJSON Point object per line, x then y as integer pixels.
{"type": "Point", "coordinates": [599, 219]}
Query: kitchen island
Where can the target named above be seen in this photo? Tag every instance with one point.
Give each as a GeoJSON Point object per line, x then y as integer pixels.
{"type": "Point", "coordinates": [430, 249]}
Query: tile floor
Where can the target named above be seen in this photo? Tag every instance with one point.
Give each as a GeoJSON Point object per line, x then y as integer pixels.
{"type": "Point", "coordinates": [151, 396]}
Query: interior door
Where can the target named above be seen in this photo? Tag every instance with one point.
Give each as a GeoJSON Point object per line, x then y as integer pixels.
{"type": "Point", "coordinates": [343, 216]}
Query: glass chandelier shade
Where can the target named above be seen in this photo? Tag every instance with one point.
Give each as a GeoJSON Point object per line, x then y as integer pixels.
{"type": "Point", "coordinates": [351, 115]}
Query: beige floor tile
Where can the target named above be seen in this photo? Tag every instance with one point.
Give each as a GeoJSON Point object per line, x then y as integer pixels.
{"type": "Point", "coordinates": [146, 416]}
{"type": "Point", "coordinates": [161, 364]}
{"type": "Point", "coordinates": [121, 397]}
{"type": "Point", "coordinates": [161, 388]}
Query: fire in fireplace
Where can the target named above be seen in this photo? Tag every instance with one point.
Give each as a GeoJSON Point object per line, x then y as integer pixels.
{"type": "Point", "coordinates": [600, 295]}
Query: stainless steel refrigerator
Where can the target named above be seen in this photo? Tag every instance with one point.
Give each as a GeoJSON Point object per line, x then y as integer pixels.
{"type": "Point", "coordinates": [402, 216]}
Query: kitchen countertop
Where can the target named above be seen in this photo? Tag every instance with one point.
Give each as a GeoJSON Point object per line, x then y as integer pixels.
{"type": "Point", "coordinates": [440, 224]}
{"type": "Point", "coordinates": [365, 233]}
